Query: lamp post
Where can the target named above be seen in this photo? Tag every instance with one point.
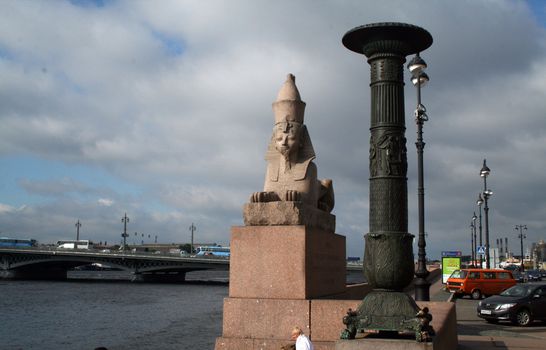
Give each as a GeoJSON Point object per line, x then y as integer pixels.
{"type": "Point", "coordinates": [479, 202]}
{"type": "Point", "coordinates": [125, 220]}
{"type": "Point", "coordinates": [192, 229]}
{"type": "Point", "coordinates": [471, 243]}
{"type": "Point", "coordinates": [486, 194]}
{"type": "Point", "coordinates": [78, 225]}
{"type": "Point", "coordinates": [521, 236]}
{"type": "Point", "coordinates": [474, 217]}
{"type": "Point", "coordinates": [419, 78]}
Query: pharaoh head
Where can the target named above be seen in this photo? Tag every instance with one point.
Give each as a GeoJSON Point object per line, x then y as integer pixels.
{"type": "Point", "coordinates": [290, 138]}
{"type": "Point", "coordinates": [287, 136]}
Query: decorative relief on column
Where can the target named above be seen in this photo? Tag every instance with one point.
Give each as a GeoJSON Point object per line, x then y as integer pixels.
{"type": "Point", "coordinates": [388, 154]}
{"type": "Point", "coordinates": [387, 69]}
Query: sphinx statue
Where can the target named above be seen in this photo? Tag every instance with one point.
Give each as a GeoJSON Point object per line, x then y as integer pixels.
{"type": "Point", "coordinates": [291, 174]}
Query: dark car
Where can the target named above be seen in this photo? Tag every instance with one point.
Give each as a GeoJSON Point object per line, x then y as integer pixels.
{"type": "Point", "coordinates": [518, 276]}
{"type": "Point", "coordinates": [533, 275]}
{"type": "Point", "coordinates": [520, 304]}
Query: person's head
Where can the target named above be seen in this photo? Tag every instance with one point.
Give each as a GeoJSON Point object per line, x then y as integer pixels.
{"type": "Point", "coordinates": [296, 332]}
{"type": "Point", "coordinates": [287, 139]}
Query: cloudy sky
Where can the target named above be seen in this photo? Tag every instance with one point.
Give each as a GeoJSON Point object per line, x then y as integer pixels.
{"type": "Point", "coordinates": [162, 110]}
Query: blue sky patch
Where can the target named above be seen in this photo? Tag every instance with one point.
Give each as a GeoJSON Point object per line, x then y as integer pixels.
{"type": "Point", "coordinates": [90, 3]}
{"type": "Point", "coordinates": [16, 171]}
{"type": "Point", "coordinates": [174, 46]}
{"type": "Point", "coordinates": [538, 7]}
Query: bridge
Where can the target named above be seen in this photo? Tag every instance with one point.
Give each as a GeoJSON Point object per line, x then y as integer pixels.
{"type": "Point", "coordinates": [53, 264]}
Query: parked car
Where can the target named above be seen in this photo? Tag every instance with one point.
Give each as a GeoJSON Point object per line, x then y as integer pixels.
{"type": "Point", "coordinates": [479, 282]}
{"type": "Point", "coordinates": [533, 275]}
{"type": "Point", "coordinates": [518, 276]}
{"type": "Point", "coordinates": [520, 304]}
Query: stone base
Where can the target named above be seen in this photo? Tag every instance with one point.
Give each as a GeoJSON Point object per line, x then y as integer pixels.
{"type": "Point", "coordinates": [286, 262]}
{"type": "Point", "coordinates": [387, 311]}
{"type": "Point", "coordinates": [287, 213]}
{"type": "Point", "coordinates": [259, 324]}
{"type": "Point", "coordinates": [384, 344]}
{"type": "Point", "coordinates": [261, 344]}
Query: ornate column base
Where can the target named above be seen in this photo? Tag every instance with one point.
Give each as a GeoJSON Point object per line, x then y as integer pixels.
{"type": "Point", "coordinates": [389, 313]}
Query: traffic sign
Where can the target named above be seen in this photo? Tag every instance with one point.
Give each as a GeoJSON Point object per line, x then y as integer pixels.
{"type": "Point", "coordinates": [452, 253]}
{"type": "Point", "coordinates": [481, 250]}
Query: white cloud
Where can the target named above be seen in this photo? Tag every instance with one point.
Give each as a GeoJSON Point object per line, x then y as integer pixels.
{"type": "Point", "coordinates": [188, 129]}
{"type": "Point", "coordinates": [105, 202]}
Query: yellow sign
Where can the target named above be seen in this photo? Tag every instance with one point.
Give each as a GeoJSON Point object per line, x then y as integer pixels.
{"type": "Point", "coordinates": [449, 264]}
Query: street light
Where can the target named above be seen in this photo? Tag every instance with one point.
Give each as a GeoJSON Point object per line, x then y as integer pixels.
{"type": "Point", "coordinates": [125, 220]}
{"type": "Point", "coordinates": [192, 229]}
{"type": "Point", "coordinates": [484, 172]}
{"type": "Point", "coordinates": [521, 236]}
{"type": "Point", "coordinates": [479, 202]}
{"type": "Point", "coordinates": [473, 224]}
{"type": "Point", "coordinates": [419, 78]}
{"type": "Point", "coordinates": [78, 225]}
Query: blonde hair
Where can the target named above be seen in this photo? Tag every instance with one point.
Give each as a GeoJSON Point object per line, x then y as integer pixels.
{"type": "Point", "coordinates": [297, 329]}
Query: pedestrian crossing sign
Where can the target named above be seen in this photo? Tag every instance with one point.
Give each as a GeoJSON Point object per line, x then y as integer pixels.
{"type": "Point", "coordinates": [481, 250]}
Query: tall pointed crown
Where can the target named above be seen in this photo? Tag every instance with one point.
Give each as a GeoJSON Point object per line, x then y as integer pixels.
{"type": "Point", "coordinates": [289, 106]}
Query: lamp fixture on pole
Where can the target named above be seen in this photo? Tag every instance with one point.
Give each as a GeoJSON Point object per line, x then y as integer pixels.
{"type": "Point", "coordinates": [192, 229]}
{"type": "Point", "coordinates": [521, 236]}
{"type": "Point", "coordinates": [479, 203]}
{"type": "Point", "coordinates": [125, 220]}
{"type": "Point", "coordinates": [474, 243]}
{"type": "Point", "coordinates": [419, 78]}
{"type": "Point", "coordinates": [78, 225]}
{"type": "Point", "coordinates": [484, 172]}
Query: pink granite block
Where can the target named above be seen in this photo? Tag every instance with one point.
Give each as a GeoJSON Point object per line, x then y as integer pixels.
{"type": "Point", "coordinates": [223, 343]}
{"type": "Point", "coordinates": [327, 316]}
{"type": "Point", "coordinates": [264, 318]}
{"type": "Point", "coordinates": [444, 322]}
{"type": "Point", "coordinates": [286, 262]}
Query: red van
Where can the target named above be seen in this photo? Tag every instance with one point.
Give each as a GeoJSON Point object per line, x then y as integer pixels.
{"type": "Point", "coordinates": [479, 282]}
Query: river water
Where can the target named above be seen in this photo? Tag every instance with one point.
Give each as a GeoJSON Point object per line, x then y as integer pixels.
{"type": "Point", "coordinates": [82, 314]}
{"type": "Point", "coordinates": [120, 315]}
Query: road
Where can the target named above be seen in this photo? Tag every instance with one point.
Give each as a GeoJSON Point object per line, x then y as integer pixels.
{"type": "Point", "coordinates": [468, 322]}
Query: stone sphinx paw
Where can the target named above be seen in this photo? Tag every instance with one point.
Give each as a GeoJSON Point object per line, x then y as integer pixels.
{"type": "Point", "coordinates": [292, 196]}
{"type": "Point", "coordinates": [262, 197]}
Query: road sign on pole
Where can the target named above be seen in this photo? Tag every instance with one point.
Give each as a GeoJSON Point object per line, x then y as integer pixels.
{"type": "Point", "coordinates": [480, 250]}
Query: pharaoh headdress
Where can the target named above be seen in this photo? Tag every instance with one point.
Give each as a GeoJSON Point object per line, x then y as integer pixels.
{"type": "Point", "coordinates": [289, 108]}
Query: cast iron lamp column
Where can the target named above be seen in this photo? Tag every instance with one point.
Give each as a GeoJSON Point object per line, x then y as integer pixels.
{"type": "Point", "coordinates": [388, 256]}
{"type": "Point", "coordinates": [419, 78]}
{"type": "Point", "coordinates": [479, 202]}
{"type": "Point", "coordinates": [521, 236]}
{"type": "Point", "coordinates": [486, 194]}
